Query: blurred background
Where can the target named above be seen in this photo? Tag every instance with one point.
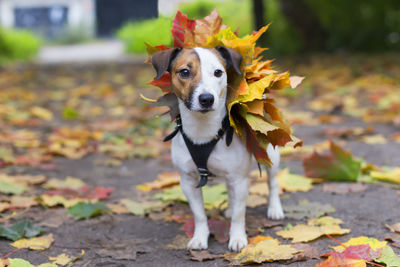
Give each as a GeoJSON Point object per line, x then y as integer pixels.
{"type": "Point", "coordinates": [298, 26]}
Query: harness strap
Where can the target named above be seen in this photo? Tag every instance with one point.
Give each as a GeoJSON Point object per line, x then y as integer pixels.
{"type": "Point", "coordinates": [201, 152]}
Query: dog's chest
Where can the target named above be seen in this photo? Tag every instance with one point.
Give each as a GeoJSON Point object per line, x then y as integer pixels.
{"type": "Point", "coordinates": [224, 161]}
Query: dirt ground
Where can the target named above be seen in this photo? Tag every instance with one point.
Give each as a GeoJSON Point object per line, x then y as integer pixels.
{"type": "Point", "coordinates": [365, 213]}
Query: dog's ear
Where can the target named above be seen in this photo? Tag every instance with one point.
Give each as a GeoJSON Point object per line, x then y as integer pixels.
{"type": "Point", "coordinates": [162, 60]}
{"type": "Point", "coordinates": [231, 57]}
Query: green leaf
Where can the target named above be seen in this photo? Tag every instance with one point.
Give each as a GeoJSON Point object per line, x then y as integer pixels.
{"type": "Point", "coordinates": [9, 186]}
{"type": "Point", "coordinates": [338, 165]}
{"type": "Point", "coordinates": [83, 210]}
{"type": "Point", "coordinates": [20, 230]}
{"type": "Point", "coordinates": [20, 263]}
{"type": "Point", "coordinates": [70, 114]}
{"type": "Point", "coordinates": [388, 257]}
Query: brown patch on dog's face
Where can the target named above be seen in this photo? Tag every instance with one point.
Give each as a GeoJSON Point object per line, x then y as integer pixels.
{"type": "Point", "coordinates": [185, 74]}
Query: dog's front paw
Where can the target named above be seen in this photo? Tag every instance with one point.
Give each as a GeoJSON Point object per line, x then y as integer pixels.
{"type": "Point", "coordinates": [236, 243]}
{"type": "Point", "coordinates": [198, 242]}
{"type": "Point", "coordinates": [275, 212]}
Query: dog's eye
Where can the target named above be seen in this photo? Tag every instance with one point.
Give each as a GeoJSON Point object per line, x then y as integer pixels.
{"type": "Point", "coordinates": [218, 73]}
{"type": "Point", "coordinates": [184, 73]}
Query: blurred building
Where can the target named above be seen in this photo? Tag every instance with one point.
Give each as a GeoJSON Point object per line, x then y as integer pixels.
{"type": "Point", "coordinates": [55, 18]}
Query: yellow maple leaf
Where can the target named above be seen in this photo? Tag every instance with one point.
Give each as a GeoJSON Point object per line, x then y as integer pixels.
{"type": "Point", "coordinates": [374, 243]}
{"type": "Point", "coordinates": [41, 113]}
{"type": "Point", "coordinates": [392, 175]}
{"type": "Point", "coordinates": [69, 182]}
{"type": "Point", "coordinates": [293, 182]}
{"type": "Point", "coordinates": [64, 259]}
{"type": "Point", "coordinates": [259, 238]}
{"type": "Point", "coordinates": [35, 243]}
{"type": "Point", "coordinates": [166, 179]}
{"type": "Point", "coordinates": [314, 229]}
{"type": "Point", "coordinates": [54, 200]}
{"type": "Point", "coordinates": [267, 250]}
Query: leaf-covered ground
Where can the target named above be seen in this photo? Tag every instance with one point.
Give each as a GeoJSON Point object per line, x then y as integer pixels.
{"type": "Point", "coordinates": [83, 170]}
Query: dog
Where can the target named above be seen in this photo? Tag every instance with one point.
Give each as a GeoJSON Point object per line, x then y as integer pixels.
{"type": "Point", "coordinates": [200, 82]}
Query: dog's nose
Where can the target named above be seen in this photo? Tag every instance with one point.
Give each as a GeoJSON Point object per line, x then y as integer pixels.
{"type": "Point", "coordinates": [206, 100]}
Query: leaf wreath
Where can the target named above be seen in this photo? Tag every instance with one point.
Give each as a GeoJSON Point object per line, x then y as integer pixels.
{"type": "Point", "coordinates": [252, 110]}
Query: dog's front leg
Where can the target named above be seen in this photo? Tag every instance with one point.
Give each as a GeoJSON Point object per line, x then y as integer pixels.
{"type": "Point", "coordinates": [238, 238]}
{"type": "Point", "coordinates": [195, 198]}
{"type": "Point", "coordinates": [275, 210]}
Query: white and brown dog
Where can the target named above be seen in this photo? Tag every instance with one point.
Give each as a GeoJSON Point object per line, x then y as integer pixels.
{"type": "Point", "coordinates": [200, 81]}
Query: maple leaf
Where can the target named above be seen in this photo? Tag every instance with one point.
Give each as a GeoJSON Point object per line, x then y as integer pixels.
{"type": "Point", "coordinates": [163, 180]}
{"type": "Point", "coordinates": [83, 210]}
{"type": "Point", "coordinates": [338, 165]}
{"type": "Point", "coordinates": [141, 208]}
{"type": "Point", "coordinates": [388, 257]}
{"type": "Point", "coordinates": [391, 175]}
{"type": "Point", "coordinates": [293, 182]}
{"type": "Point", "coordinates": [203, 255]}
{"type": "Point", "coordinates": [164, 83]}
{"type": "Point", "coordinates": [363, 252]}
{"type": "Point", "coordinates": [267, 250]}
{"type": "Point", "coordinates": [20, 230]}
{"type": "Point", "coordinates": [35, 243]}
{"type": "Point", "coordinates": [342, 262]}
{"type": "Point", "coordinates": [181, 25]}
{"type": "Point", "coordinates": [374, 243]}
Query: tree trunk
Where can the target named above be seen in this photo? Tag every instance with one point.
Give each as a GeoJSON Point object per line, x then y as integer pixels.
{"type": "Point", "coordinates": [258, 11]}
{"type": "Point", "coordinates": [305, 22]}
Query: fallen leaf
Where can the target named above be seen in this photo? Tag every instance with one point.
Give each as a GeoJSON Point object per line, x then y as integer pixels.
{"type": "Point", "coordinates": [395, 228]}
{"type": "Point", "coordinates": [41, 113]}
{"type": "Point", "coordinates": [55, 200]}
{"type": "Point", "coordinates": [306, 252]}
{"type": "Point", "coordinates": [19, 263]}
{"type": "Point", "coordinates": [334, 261]}
{"type": "Point", "coordinates": [391, 175]}
{"type": "Point", "coordinates": [35, 243]}
{"type": "Point", "coordinates": [377, 139]}
{"type": "Point", "coordinates": [306, 209]}
{"type": "Point", "coordinates": [293, 182]}
{"type": "Point", "coordinates": [69, 182]}
{"type": "Point", "coordinates": [166, 179]}
{"type": "Point", "coordinates": [374, 243]}
{"type": "Point", "coordinates": [179, 242]}
{"type": "Point", "coordinates": [141, 208]}
{"type": "Point", "coordinates": [203, 255]}
{"type": "Point", "coordinates": [83, 210]}
{"type": "Point", "coordinates": [257, 239]}
{"type": "Point", "coordinates": [388, 257]}
{"type": "Point", "coordinates": [394, 239]}
{"type": "Point", "coordinates": [64, 259]}
{"type": "Point", "coordinates": [363, 252]}
{"type": "Point", "coordinates": [255, 201]}
{"type": "Point", "coordinates": [338, 165]}
{"type": "Point", "coordinates": [305, 233]}
{"type": "Point", "coordinates": [10, 185]}
{"type": "Point", "coordinates": [20, 230]}
{"type": "Point", "coordinates": [344, 188]}
{"type": "Point", "coordinates": [265, 251]}
{"type": "Point", "coordinates": [261, 189]}
{"type": "Point", "coordinates": [118, 208]}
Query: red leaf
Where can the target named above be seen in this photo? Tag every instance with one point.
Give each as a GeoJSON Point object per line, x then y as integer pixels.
{"type": "Point", "coordinates": [363, 252]}
{"type": "Point", "coordinates": [180, 25]}
{"type": "Point", "coordinates": [164, 83]}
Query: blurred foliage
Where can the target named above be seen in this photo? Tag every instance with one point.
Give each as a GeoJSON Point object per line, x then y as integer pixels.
{"type": "Point", "coordinates": [241, 20]}
{"type": "Point", "coordinates": [17, 45]}
{"type": "Point", "coordinates": [372, 25]}
{"type": "Point", "coordinates": [356, 25]}
{"type": "Point", "coordinates": [73, 35]}
{"type": "Point", "coordinates": [154, 31]}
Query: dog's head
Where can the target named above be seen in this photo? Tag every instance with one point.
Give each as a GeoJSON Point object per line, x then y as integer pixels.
{"type": "Point", "coordinates": [199, 75]}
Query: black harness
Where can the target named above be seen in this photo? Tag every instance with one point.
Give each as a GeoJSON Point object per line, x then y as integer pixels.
{"type": "Point", "coordinates": [201, 153]}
